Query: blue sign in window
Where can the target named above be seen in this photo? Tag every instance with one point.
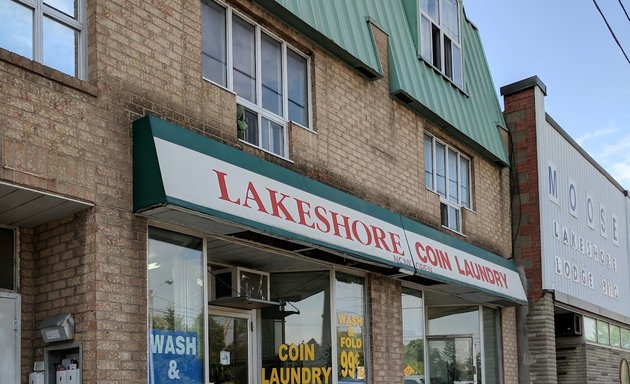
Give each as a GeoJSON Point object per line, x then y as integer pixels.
{"type": "Point", "coordinates": [175, 357]}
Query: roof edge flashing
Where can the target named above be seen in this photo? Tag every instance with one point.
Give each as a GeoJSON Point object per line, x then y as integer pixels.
{"type": "Point", "coordinates": [522, 85]}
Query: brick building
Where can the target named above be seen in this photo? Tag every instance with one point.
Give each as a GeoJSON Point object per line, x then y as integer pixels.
{"type": "Point", "coordinates": [253, 192]}
{"type": "Point", "coordinates": [570, 219]}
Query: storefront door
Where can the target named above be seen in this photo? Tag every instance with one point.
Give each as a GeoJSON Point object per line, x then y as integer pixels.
{"type": "Point", "coordinates": [231, 346]}
{"type": "Point", "coordinates": [9, 341]}
{"type": "Point", "coordinates": [451, 360]}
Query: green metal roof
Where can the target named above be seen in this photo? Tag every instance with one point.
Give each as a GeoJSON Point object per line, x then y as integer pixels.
{"type": "Point", "coordinates": [342, 27]}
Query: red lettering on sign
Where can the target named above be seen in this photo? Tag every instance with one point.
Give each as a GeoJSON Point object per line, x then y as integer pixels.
{"type": "Point", "coordinates": [223, 188]}
{"type": "Point", "coordinates": [303, 214]}
{"type": "Point", "coordinates": [278, 205]}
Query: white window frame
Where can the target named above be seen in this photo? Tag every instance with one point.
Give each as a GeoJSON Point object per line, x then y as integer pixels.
{"type": "Point", "coordinates": [257, 107]}
{"type": "Point", "coordinates": [443, 32]}
{"type": "Point", "coordinates": [445, 199]}
{"type": "Point", "coordinates": [79, 25]}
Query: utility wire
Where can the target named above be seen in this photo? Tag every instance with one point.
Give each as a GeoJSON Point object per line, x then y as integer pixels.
{"type": "Point", "coordinates": [611, 31]}
{"type": "Point", "coordinates": [624, 10]}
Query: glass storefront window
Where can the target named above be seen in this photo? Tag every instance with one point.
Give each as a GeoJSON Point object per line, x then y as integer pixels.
{"type": "Point", "coordinates": [615, 336]}
{"type": "Point", "coordinates": [296, 336]}
{"type": "Point", "coordinates": [625, 338]}
{"type": "Point", "coordinates": [449, 328]}
{"type": "Point", "coordinates": [413, 335]}
{"type": "Point", "coordinates": [590, 329]}
{"type": "Point", "coordinates": [175, 296]}
{"type": "Point", "coordinates": [603, 334]}
{"type": "Point", "coordinates": [491, 343]}
{"type": "Point", "coordinates": [351, 328]}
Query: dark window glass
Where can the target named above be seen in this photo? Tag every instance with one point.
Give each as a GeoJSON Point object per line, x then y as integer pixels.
{"type": "Point", "coordinates": [298, 88]}
{"type": "Point", "coordinates": [251, 130]}
{"type": "Point", "coordinates": [448, 58]}
{"type": "Point", "coordinates": [272, 137]}
{"type": "Point", "coordinates": [7, 258]}
{"type": "Point", "coordinates": [244, 57]}
{"type": "Point", "coordinates": [271, 68]}
{"type": "Point", "coordinates": [437, 61]}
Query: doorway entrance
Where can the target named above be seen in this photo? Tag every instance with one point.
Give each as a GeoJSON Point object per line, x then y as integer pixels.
{"type": "Point", "coordinates": [451, 360]}
{"type": "Point", "coordinates": [231, 352]}
{"type": "Point", "coordinates": [9, 336]}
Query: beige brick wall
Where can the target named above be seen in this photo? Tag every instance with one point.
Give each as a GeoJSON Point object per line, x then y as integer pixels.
{"type": "Point", "coordinates": [73, 138]}
{"type": "Point", "coordinates": [385, 307]}
{"type": "Point", "coordinates": [509, 346]}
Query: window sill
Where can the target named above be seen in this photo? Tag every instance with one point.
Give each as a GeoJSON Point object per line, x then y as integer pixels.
{"type": "Point", "coordinates": [454, 231]}
{"type": "Point", "coordinates": [266, 151]}
{"type": "Point", "coordinates": [48, 72]}
{"type": "Point", "coordinates": [219, 85]}
{"type": "Point", "coordinates": [293, 123]}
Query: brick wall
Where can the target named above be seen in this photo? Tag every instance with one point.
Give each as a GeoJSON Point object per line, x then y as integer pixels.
{"type": "Point", "coordinates": [602, 363]}
{"type": "Point", "coordinates": [570, 360]}
{"type": "Point", "coordinates": [385, 307]}
{"type": "Point", "coordinates": [541, 341]}
{"type": "Point", "coordinates": [73, 138]}
{"type": "Point", "coordinates": [509, 345]}
{"type": "Point", "coordinates": [520, 116]}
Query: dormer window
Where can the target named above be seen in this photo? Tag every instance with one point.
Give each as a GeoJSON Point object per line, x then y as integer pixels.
{"type": "Point", "coordinates": [440, 37]}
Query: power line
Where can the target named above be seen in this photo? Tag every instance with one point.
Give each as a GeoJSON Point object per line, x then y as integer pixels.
{"type": "Point", "coordinates": [624, 9]}
{"type": "Point", "coordinates": [611, 31]}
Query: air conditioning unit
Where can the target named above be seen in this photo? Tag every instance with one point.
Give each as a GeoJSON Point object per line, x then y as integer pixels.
{"type": "Point", "coordinates": [568, 324]}
{"type": "Point", "coordinates": [237, 282]}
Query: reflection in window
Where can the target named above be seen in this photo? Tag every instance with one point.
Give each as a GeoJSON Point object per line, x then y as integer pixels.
{"type": "Point", "coordinates": [269, 77]}
{"type": "Point", "coordinates": [16, 28]}
{"type": "Point", "coordinates": [590, 329]}
{"type": "Point", "coordinates": [455, 320]}
{"type": "Point", "coordinates": [615, 336]}
{"type": "Point", "coordinates": [213, 43]}
{"type": "Point", "coordinates": [244, 59]}
{"type": "Point", "coordinates": [66, 6]}
{"type": "Point", "coordinates": [447, 172]}
{"type": "Point", "coordinates": [351, 331]}
{"type": "Point", "coordinates": [603, 335]}
{"type": "Point", "coordinates": [60, 46]}
{"type": "Point", "coordinates": [56, 24]}
{"type": "Point", "coordinates": [413, 333]}
{"type": "Point", "coordinates": [271, 68]}
{"type": "Point", "coordinates": [298, 88]}
{"type": "Point", "coordinates": [625, 338]}
{"type": "Point", "coordinates": [175, 296]}
{"type": "Point", "coordinates": [302, 319]}
{"type": "Point", "coordinates": [491, 345]}
{"type": "Point", "coordinates": [440, 37]}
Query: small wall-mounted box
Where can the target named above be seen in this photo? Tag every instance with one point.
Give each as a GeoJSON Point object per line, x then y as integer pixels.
{"type": "Point", "coordinates": [58, 328]}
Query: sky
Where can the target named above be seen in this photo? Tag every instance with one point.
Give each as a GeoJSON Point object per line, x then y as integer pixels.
{"type": "Point", "coordinates": [568, 46]}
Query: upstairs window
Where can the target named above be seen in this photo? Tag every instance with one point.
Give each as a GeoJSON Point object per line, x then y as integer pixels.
{"type": "Point", "coordinates": [270, 79]}
{"type": "Point", "coordinates": [51, 32]}
{"type": "Point", "coordinates": [447, 173]}
{"type": "Point", "coordinates": [440, 37]}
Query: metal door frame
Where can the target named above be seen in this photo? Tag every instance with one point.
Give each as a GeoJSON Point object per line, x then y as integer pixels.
{"type": "Point", "coordinates": [252, 350]}
{"type": "Point", "coordinates": [446, 337]}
